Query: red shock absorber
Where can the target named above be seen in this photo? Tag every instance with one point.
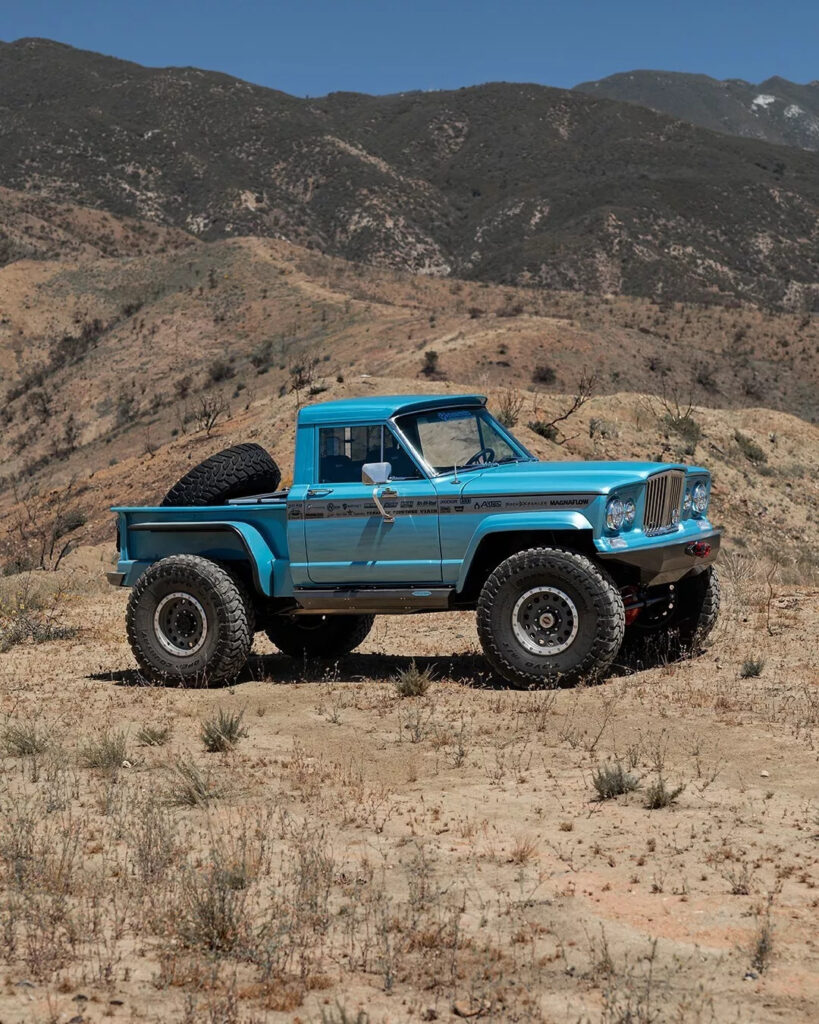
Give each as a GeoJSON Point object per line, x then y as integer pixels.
{"type": "Point", "coordinates": [631, 602]}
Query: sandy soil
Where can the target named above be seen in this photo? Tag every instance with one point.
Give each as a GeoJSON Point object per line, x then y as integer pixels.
{"type": "Point", "coordinates": [428, 858]}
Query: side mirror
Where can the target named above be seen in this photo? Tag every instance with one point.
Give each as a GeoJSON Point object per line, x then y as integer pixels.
{"type": "Point", "coordinates": [376, 473]}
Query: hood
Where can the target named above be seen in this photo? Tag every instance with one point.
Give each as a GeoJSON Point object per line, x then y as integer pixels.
{"type": "Point", "coordinates": [548, 477]}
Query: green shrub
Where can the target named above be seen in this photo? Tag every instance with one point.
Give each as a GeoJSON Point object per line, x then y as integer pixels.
{"type": "Point", "coordinates": [685, 425]}
{"type": "Point", "coordinates": [544, 375]}
{"type": "Point", "coordinates": [613, 780]}
{"type": "Point", "coordinates": [751, 668]}
{"type": "Point", "coordinates": [544, 429]}
{"type": "Point", "coordinates": [749, 448]}
{"type": "Point", "coordinates": [659, 795]}
{"type": "Point", "coordinates": [430, 367]}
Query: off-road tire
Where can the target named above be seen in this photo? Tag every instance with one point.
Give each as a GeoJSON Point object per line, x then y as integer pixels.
{"type": "Point", "coordinates": [318, 636]}
{"type": "Point", "coordinates": [600, 618]}
{"type": "Point", "coordinates": [683, 632]}
{"type": "Point", "coordinates": [237, 472]}
{"type": "Point", "coordinates": [698, 602]}
{"type": "Point", "coordinates": [228, 633]}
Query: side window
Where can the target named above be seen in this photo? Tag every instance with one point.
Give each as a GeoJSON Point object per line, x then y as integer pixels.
{"type": "Point", "coordinates": [403, 468]}
{"type": "Point", "coordinates": [344, 450]}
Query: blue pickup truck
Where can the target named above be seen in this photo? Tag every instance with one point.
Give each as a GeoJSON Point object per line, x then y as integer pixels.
{"type": "Point", "coordinates": [417, 503]}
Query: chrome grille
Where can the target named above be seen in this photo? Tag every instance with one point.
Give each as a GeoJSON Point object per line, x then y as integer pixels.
{"type": "Point", "coordinates": [664, 492]}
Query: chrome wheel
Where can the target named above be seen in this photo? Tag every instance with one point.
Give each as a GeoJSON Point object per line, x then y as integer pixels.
{"type": "Point", "coordinates": [544, 621]}
{"type": "Point", "coordinates": [180, 624]}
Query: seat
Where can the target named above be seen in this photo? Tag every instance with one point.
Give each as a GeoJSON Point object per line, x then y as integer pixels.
{"type": "Point", "coordinates": [337, 469]}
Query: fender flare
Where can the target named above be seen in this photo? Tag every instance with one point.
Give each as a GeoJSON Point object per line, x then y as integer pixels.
{"type": "Point", "coordinates": [261, 559]}
{"type": "Point", "coordinates": [513, 523]}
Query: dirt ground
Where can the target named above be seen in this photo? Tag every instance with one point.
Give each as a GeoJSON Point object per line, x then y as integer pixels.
{"type": "Point", "coordinates": [362, 856]}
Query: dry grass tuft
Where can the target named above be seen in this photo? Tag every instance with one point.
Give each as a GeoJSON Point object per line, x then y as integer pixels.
{"type": "Point", "coordinates": [189, 786]}
{"type": "Point", "coordinates": [153, 735]}
{"type": "Point", "coordinates": [24, 739]}
{"type": "Point", "coordinates": [413, 681]}
{"type": "Point", "coordinates": [106, 752]}
{"type": "Point", "coordinates": [223, 732]}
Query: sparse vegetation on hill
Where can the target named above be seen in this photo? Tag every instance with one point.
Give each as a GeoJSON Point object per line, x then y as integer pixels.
{"type": "Point", "coordinates": [511, 183]}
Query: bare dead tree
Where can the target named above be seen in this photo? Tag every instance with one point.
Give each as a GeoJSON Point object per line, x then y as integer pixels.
{"type": "Point", "coordinates": [42, 532]}
{"type": "Point", "coordinates": [549, 428]}
{"type": "Point", "coordinates": [210, 410]}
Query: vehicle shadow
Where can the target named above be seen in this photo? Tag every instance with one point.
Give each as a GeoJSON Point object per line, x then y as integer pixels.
{"type": "Point", "coordinates": [276, 669]}
{"type": "Point", "coordinates": [469, 670]}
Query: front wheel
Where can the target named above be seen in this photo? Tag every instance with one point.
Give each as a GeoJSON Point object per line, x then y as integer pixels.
{"type": "Point", "coordinates": [188, 621]}
{"type": "Point", "coordinates": [676, 627]}
{"type": "Point", "coordinates": [550, 617]}
{"type": "Point", "coordinates": [318, 636]}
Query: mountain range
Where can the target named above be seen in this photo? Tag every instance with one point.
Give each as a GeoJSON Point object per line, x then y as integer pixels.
{"type": "Point", "coordinates": [508, 183]}
{"type": "Point", "coordinates": [776, 110]}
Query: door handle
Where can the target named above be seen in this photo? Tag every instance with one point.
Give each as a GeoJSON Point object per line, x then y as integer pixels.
{"type": "Point", "coordinates": [388, 492]}
{"type": "Point", "coordinates": [318, 492]}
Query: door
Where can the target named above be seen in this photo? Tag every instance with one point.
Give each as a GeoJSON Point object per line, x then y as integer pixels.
{"type": "Point", "coordinates": [348, 541]}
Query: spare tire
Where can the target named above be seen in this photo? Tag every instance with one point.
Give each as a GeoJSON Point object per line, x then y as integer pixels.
{"type": "Point", "coordinates": [236, 472]}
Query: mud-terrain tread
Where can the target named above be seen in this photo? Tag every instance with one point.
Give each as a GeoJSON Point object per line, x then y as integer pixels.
{"type": "Point", "coordinates": [246, 593]}
{"type": "Point", "coordinates": [684, 635]}
{"type": "Point", "coordinates": [607, 601]}
{"type": "Point", "coordinates": [236, 637]}
{"type": "Point", "coordinates": [343, 634]}
{"type": "Point", "coordinates": [237, 472]}
{"type": "Point", "coordinates": [696, 628]}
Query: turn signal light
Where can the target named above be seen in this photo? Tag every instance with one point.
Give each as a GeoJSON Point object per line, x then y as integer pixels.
{"type": "Point", "coordinates": [698, 548]}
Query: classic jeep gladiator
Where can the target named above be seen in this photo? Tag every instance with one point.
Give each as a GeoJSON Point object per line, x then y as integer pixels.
{"type": "Point", "coordinates": [417, 503]}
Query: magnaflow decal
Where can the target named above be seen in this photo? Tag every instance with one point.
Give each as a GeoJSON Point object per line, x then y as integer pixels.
{"type": "Point", "coordinates": [514, 502]}
{"type": "Point", "coordinates": [473, 505]}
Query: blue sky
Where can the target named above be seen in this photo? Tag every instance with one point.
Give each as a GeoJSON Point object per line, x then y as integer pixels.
{"type": "Point", "coordinates": [311, 47]}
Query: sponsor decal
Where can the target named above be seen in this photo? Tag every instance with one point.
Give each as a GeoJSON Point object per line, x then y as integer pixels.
{"type": "Point", "coordinates": [448, 505]}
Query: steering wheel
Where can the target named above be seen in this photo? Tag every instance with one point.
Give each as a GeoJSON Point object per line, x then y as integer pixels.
{"type": "Point", "coordinates": [488, 455]}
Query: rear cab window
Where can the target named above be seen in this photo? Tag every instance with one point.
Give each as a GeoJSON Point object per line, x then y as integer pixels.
{"type": "Point", "coordinates": [343, 452]}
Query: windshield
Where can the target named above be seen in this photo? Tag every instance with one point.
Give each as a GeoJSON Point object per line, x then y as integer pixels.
{"type": "Point", "coordinates": [450, 439]}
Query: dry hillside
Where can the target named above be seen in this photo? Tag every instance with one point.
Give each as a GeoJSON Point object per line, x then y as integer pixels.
{"type": "Point", "coordinates": [393, 838]}
{"type": "Point", "coordinates": [505, 182]}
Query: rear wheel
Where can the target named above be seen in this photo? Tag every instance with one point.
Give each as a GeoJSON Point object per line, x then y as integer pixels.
{"type": "Point", "coordinates": [318, 636]}
{"type": "Point", "coordinates": [188, 622]}
{"type": "Point", "coordinates": [550, 617]}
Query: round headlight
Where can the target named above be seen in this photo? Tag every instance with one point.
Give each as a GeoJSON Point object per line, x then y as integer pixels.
{"type": "Point", "coordinates": [629, 511]}
{"type": "Point", "coordinates": [615, 514]}
{"type": "Point", "coordinates": [699, 498]}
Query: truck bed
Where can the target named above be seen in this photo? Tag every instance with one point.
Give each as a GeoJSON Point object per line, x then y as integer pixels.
{"type": "Point", "coordinates": [248, 530]}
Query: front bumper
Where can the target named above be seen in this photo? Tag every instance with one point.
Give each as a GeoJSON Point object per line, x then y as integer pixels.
{"type": "Point", "coordinates": [669, 558]}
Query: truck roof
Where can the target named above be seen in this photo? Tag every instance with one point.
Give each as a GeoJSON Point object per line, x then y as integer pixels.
{"type": "Point", "coordinates": [377, 408]}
